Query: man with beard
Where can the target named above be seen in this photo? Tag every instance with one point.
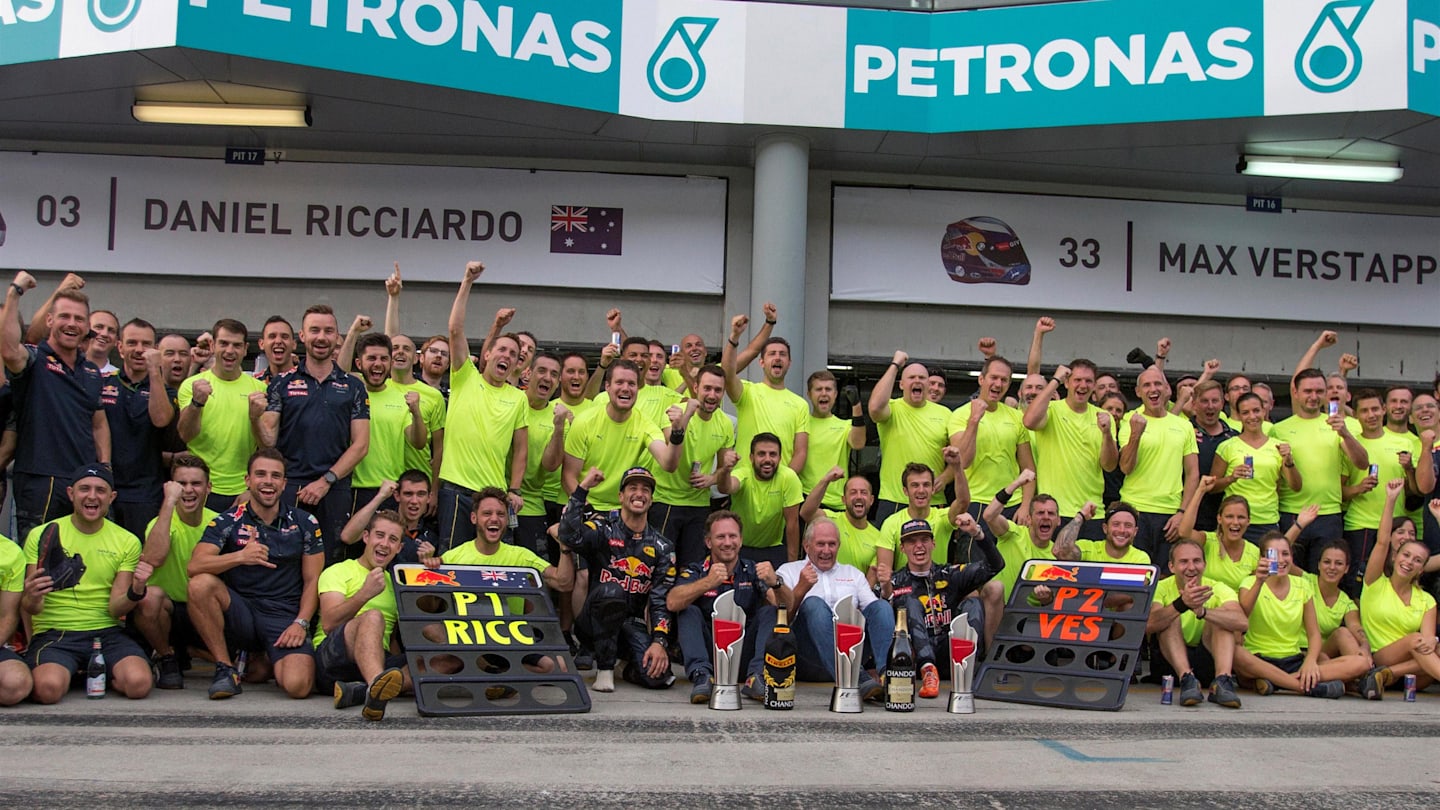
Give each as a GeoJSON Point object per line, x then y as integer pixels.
{"type": "Point", "coordinates": [1072, 441]}
{"type": "Point", "coordinates": [1196, 620]}
{"type": "Point", "coordinates": [545, 422]}
{"type": "Point", "coordinates": [993, 442]}
{"type": "Point", "coordinates": [767, 497]}
{"type": "Point", "coordinates": [1322, 446]}
{"type": "Point", "coordinates": [411, 495]}
{"type": "Point", "coordinates": [319, 418]}
{"type": "Point", "coordinates": [60, 423]}
{"type": "Point", "coordinates": [1393, 454]}
{"type": "Point", "coordinates": [831, 438]}
{"type": "Point", "coordinates": [680, 376]}
{"type": "Point", "coordinates": [1211, 431]}
{"type": "Point", "coordinates": [766, 407]}
{"type": "Point", "coordinates": [614, 437]}
{"type": "Point", "coordinates": [486, 442]}
{"type": "Point", "coordinates": [692, 601]}
{"type": "Point", "coordinates": [934, 595]}
{"type": "Point", "coordinates": [277, 343]}
{"type": "Point", "coordinates": [73, 601]}
{"type": "Point", "coordinates": [139, 409]}
{"type": "Point", "coordinates": [1017, 543]}
{"type": "Point", "coordinates": [861, 543]}
{"type": "Point", "coordinates": [912, 430]}
{"type": "Point", "coordinates": [225, 435]}
{"type": "Point", "coordinates": [574, 376]}
{"type": "Point", "coordinates": [170, 542]}
{"type": "Point", "coordinates": [935, 384]}
{"type": "Point", "coordinates": [815, 584]}
{"type": "Point", "coordinates": [396, 421]}
{"type": "Point", "coordinates": [357, 616]}
{"type": "Point", "coordinates": [435, 364]}
{"type": "Point", "coordinates": [632, 569]}
{"type": "Point", "coordinates": [253, 580]}
{"type": "Point", "coordinates": [682, 497]}
{"type": "Point", "coordinates": [490, 521]}
{"type": "Point", "coordinates": [1121, 525]}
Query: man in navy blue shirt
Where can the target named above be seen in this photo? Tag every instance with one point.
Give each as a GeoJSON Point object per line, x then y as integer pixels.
{"type": "Point", "coordinates": [138, 426]}
{"type": "Point", "coordinates": [319, 418]}
{"type": "Point", "coordinates": [254, 583]}
{"type": "Point", "coordinates": [60, 424]}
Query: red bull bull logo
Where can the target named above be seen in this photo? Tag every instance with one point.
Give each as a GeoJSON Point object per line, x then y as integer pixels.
{"type": "Point", "coordinates": [631, 573]}
{"type": "Point", "coordinates": [1051, 573]}
{"type": "Point", "coordinates": [429, 577]}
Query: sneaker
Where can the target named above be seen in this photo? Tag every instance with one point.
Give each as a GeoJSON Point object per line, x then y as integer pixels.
{"type": "Point", "coordinates": [1222, 692]}
{"type": "Point", "coordinates": [1264, 688]}
{"type": "Point", "coordinates": [349, 693]}
{"type": "Point", "coordinates": [385, 686]}
{"type": "Point", "coordinates": [929, 681]}
{"type": "Point", "coordinates": [500, 692]}
{"type": "Point", "coordinates": [871, 690]}
{"type": "Point", "coordinates": [584, 659]}
{"type": "Point", "coordinates": [226, 683]}
{"type": "Point", "coordinates": [1190, 694]}
{"type": "Point", "coordinates": [753, 689]}
{"type": "Point", "coordinates": [1331, 690]}
{"type": "Point", "coordinates": [167, 673]}
{"type": "Point", "coordinates": [65, 570]}
{"type": "Point", "coordinates": [700, 688]}
{"type": "Point", "coordinates": [1372, 685]}
{"type": "Point", "coordinates": [1138, 357]}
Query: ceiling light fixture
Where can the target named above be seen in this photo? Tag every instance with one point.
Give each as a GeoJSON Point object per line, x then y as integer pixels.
{"type": "Point", "coordinates": [1360, 171]}
{"type": "Point", "coordinates": [229, 115]}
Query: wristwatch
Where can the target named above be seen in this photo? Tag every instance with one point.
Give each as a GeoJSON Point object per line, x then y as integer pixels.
{"type": "Point", "coordinates": [304, 624]}
{"type": "Point", "coordinates": [330, 477]}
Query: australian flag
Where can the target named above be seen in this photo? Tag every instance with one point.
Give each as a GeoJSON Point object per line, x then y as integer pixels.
{"type": "Point", "coordinates": [585, 229]}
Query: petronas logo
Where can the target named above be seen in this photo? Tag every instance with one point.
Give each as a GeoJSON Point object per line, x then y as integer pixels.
{"type": "Point", "coordinates": [676, 71]}
{"type": "Point", "coordinates": [111, 15]}
{"type": "Point", "coordinates": [1329, 59]}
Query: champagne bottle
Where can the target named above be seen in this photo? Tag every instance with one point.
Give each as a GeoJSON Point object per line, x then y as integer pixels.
{"type": "Point", "coordinates": [900, 668]}
{"type": "Point", "coordinates": [95, 673]}
{"type": "Point", "coordinates": [780, 666]}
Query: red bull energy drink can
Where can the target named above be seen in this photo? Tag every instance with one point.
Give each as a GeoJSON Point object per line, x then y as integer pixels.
{"type": "Point", "coordinates": [1167, 690]}
{"type": "Point", "coordinates": [695, 468]}
{"type": "Point", "coordinates": [1409, 688]}
{"type": "Point", "coordinates": [1334, 407]}
{"type": "Point", "coordinates": [1270, 554]}
{"type": "Point", "coordinates": [615, 339]}
{"type": "Point", "coordinates": [1374, 470]}
{"type": "Point", "coordinates": [674, 348]}
{"type": "Point", "coordinates": [1250, 462]}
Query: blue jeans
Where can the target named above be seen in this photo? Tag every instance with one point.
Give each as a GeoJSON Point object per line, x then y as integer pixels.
{"type": "Point", "coordinates": [693, 629]}
{"type": "Point", "coordinates": [814, 629]}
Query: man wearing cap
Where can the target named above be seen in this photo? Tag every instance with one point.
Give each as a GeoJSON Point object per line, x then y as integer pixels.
{"type": "Point", "coordinates": [815, 585]}
{"type": "Point", "coordinates": [934, 595]}
{"type": "Point", "coordinates": [84, 574]}
{"type": "Point", "coordinates": [631, 568]}
{"type": "Point", "coordinates": [59, 421]}
{"type": "Point", "coordinates": [253, 580]}
{"type": "Point", "coordinates": [692, 601]}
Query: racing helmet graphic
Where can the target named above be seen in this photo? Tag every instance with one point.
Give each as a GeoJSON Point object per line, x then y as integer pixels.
{"type": "Point", "coordinates": [984, 250]}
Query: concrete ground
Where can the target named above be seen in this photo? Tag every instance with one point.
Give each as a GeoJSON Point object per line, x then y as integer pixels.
{"type": "Point", "coordinates": [178, 749]}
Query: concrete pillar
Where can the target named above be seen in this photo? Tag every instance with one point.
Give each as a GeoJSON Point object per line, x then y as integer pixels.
{"type": "Point", "coordinates": [782, 177]}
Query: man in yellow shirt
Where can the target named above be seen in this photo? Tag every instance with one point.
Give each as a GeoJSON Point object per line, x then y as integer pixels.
{"type": "Point", "coordinates": [912, 430]}
{"type": "Point", "coordinates": [1072, 442]}
{"type": "Point", "coordinates": [682, 497]}
{"type": "Point", "coordinates": [227, 433]}
{"type": "Point", "coordinates": [357, 615]}
{"type": "Point", "coordinates": [831, 438]}
{"type": "Point", "coordinates": [994, 443]}
{"type": "Point", "coordinates": [861, 543]}
{"type": "Point", "coordinates": [1121, 525]}
{"type": "Point", "coordinates": [1160, 459]}
{"type": "Point", "coordinates": [767, 497]}
{"type": "Point", "coordinates": [766, 407]}
{"type": "Point", "coordinates": [615, 436]}
{"type": "Point", "coordinates": [1196, 620]}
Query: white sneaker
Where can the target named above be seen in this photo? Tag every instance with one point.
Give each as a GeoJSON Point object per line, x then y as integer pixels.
{"type": "Point", "coordinates": [604, 680]}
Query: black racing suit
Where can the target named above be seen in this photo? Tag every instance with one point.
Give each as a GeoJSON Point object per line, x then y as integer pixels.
{"type": "Point", "coordinates": [935, 597]}
{"type": "Point", "coordinates": [630, 573]}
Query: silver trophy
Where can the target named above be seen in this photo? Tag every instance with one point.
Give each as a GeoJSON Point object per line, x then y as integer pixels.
{"type": "Point", "coordinates": [849, 656]}
{"type": "Point", "coordinates": [962, 665]}
{"type": "Point", "coordinates": [727, 628]}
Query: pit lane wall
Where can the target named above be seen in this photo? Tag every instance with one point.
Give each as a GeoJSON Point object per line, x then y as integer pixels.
{"type": "Point", "coordinates": [1059, 64]}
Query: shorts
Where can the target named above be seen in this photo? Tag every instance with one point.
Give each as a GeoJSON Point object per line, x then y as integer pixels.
{"type": "Point", "coordinates": [7, 654]}
{"type": "Point", "coordinates": [334, 662]}
{"type": "Point", "coordinates": [256, 625]}
{"type": "Point", "coordinates": [1289, 665]}
{"type": "Point", "coordinates": [71, 648]}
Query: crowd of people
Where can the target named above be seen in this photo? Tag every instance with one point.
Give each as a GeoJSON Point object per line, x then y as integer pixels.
{"type": "Point", "coordinates": [176, 505]}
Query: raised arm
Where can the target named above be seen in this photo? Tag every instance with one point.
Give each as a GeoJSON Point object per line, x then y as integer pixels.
{"type": "Point", "coordinates": [884, 389]}
{"type": "Point", "coordinates": [1375, 566]}
{"type": "Point", "coordinates": [459, 349]}
{"type": "Point", "coordinates": [1037, 344]}
{"type": "Point", "coordinates": [994, 514]}
{"type": "Point", "coordinates": [756, 345]}
{"type": "Point", "coordinates": [734, 387]}
{"type": "Point", "coordinates": [1307, 360]}
{"type": "Point", "coordinates": [503, 316]}
{"type": "Point", "coordinates": [1064, 547]}
{"type": "Point", "coordinates": [12, 347]}
{"type": "Point", "coordinates": [346, 358]}
{"type": "Point", "coordinates": [962, 484]}
{"type": "Point", "coordinates": [393, 286]}
{"type": "Point", "coordinates": [38, 331]}
{"type": "Point", "coordinates": [1037, 413]}
{"type": "Point", "coordinates": [816, 497]}
{"type": "Point", "coordinates": [1192, 508]}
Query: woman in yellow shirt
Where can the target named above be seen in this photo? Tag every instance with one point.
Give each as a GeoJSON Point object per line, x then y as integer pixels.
{"type": "Point", "coordinates": [1337, 613]}
{"type": "Point", "coordinates": [1399, 616]}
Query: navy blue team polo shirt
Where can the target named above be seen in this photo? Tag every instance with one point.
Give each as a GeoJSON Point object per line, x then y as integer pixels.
{"type": "Point", "coordinates": [294, 535]}
{"type": "Point", "coordinates": [136, 445]}
{"type": "Point", "coordinates": [315, 417]}
{"type": "Point", "coordinates": [55, 407]}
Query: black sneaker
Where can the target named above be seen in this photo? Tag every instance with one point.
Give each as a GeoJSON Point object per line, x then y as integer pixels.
{"type": "Point", "coordinates": [168, 674]}
{"type": "Point", "coordinates": [1222, 692]}
{"type": "Point", "coordinates": [226, 683]}
{"type": "Point", "coordinates": [1138, 357]}
{"type": "Point", "coordinates": [385, 686]}
{"type": "Point", "coordinates": [701, 688]}
{"type": "Point", "coordinates": [871, 691]}
{"type": "Point", "coordinates": [349, 693]}
{"type": "Point", "coordinates": [1372, 685]}
{"type": "Point", "coordinates": [65, 570]}
{"type": "Point", "coordinates": [753, 689]}
{"type": "Point", "coordinates": [1190, 694]}
{"type": "Point", "coordinates": [1331, 690]}
{"type": "Point", "coordinates": [584, 659]}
